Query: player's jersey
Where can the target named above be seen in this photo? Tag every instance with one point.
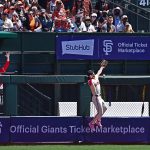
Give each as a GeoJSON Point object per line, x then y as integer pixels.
{"type": "Point", "coordinates": [95, 89]}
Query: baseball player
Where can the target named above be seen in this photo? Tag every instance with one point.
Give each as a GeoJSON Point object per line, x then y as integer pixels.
{"type": "Point", "coordinates": [94, 84]}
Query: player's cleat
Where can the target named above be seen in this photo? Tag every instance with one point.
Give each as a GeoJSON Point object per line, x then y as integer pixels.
{"type": "Point", "coordinates": [91, 125]}
{"type": "Point", "coordinates": [98, 123]}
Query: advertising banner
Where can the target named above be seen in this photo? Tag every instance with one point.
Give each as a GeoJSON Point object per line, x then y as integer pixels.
{"type": "Point", "coordinates": [74, 129]}
{"type": "Point", "coordinates": [4, 129]}
{"type": "Point", "coordinates": [121, 130]}
{"type": "Point", "coordinates": [44, 129]}
{"type": "Point", "coordinates": [103, 47]}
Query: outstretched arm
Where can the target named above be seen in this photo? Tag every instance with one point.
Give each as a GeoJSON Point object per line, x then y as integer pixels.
{"type": "Point", "coordinates": [103, 64]}
{"type": "Point", "coordinates": [6, 65]}
{"type": "Point", "coordinates": [100, 71]}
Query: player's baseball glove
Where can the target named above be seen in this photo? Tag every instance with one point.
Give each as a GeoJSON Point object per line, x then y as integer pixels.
{"type": "Point", "coordinates": [104, 63]}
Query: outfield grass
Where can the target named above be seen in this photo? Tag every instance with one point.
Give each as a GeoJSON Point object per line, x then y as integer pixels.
{"type": "Point", "coordinates": [76, 147]}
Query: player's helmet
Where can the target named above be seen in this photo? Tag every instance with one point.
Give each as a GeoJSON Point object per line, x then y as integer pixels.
{"type": "Point", "coordinates": [90, 72]}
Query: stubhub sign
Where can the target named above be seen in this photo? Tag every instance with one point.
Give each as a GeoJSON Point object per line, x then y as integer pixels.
{"type": "Point", "coordinates": [78, 47]}
{"type": "Point", "coordinates": [97, 47]}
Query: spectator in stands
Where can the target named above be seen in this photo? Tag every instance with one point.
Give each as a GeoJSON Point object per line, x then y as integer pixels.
{"type": "Point", "coordinates": [1, 8]}
{"type": "Point", "coordinates": [34, 23]}
{"type": "Point", "coordinates": [109, 27]}
{"type": "Point", "coordinates": [121, 26]}
{"type": "Point", "coordinates": [1, 20]}
{"type": "Point", "coordinates": [50, 7]}
{"type": "Point", "coordinates": [19, 7]}
{"type": "Point", "coordinates": [101, 22]}
{"type": "Point", "coordinates": [87, 4]}
{"type": "Point", "coordinates": [79, 25]}
{"type": "Point", "coordinates": [11, 11]}
{"type": "Point", "coordinates": [82, 7]}
{"type": "Point", "coordinates": [88, 24]}
{"type": "Point", "coordinates": [94, 20]}
{"type": "Point", "coordinates": [59, 18]}
{"type": "Point", "coordinates": [17, 24]}
{"type": "Point", "coordinates": [8, 25]}
{"type": "Point", "coordinates": [128, 28]}
{"type": "Point", "coordinates": [117, 13]}
{"type": "Point", "coordinates": [78, 8]}
{"type": "Point", "coordinates": [45, 21]}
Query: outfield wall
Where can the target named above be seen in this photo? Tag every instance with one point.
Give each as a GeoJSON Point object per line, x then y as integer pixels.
{"type": "Point", "coordinates": [73, 129]}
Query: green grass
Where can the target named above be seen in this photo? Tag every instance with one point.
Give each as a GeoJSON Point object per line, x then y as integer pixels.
{"type": "Point", "coordinates": [75, 147]}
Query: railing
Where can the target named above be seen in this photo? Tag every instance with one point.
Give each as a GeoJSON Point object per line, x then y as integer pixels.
{"type": "Point", "coordinates": [33, 102]}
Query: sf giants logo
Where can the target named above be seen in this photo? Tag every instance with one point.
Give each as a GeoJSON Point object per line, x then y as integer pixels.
{"type": "Point", "coordinates": [107, 46]}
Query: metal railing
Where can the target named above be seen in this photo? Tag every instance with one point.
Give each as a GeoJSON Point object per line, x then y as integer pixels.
{"type": "Point", "coordinates": [33, 102]}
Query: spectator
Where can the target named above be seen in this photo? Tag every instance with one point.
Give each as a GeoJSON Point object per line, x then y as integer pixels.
{"type": "Point", "coordinates": [109, 27]}
{"type": "Point", "coordinates": [101, 22]}
{"type": "Point", "coordinates": [1, 8]}
{"type": "Point", "coordinates": [45, 21]}
{"type": "Point", "coordinates": [87, 4]}
{"type": "Point", "coordinates": [79, 24]}
{"type": "Point", "coordinates": [78, 8]}
{"type": "Point", "coordinates": [128, 28]}
{"type": "Point", "coordinates": [117, 13]}
{"type": "Point", "coordinates": [1, 20]}
{"type": "Point", "coordinates": [34, 24]}
{"type": "Point", "coordinates": [17, 24]}
{"type": "Point", "coordinates": [50, 7]}
{"type": "Point", "coordinates": [82, 7]}
{"type": "Point", "coordinates": [94, 20]}
{"type": "Point", "coordinates": [8, 25]}
{"type": "Point", "coordinates": [11, 11]}
{"type": "Point", "coordinates": [19, 7]}
{"type": "Point", "coordinates": [121, 26]}
{"type": "Point", "coordinates": [88, 24]}
{"type": "Point", "coordinates": [59, 18]}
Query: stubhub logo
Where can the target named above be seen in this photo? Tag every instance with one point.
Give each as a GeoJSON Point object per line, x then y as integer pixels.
{"type": "Point", "coordinates": [78, 47]}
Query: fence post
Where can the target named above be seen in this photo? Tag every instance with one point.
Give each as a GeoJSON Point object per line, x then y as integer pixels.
{"type": "Point", "coordinates": [10, 100]}
{"type": "Point", "coordinates": [83, 104]}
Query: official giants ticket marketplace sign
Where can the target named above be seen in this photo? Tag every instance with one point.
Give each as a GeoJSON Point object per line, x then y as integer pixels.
{"type": "Point", "coordinates": [103, 47]}
{"type": "Point", "coordinates": [73, 129]}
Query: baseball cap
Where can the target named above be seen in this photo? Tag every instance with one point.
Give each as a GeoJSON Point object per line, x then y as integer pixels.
{"type": "Point", "coordinates": [43, 10]}
{"type": "Point", "coordinates": [124, 16]}
{"type": "Point", "coordinates": [1, 5]}
{"type": "Point", "coordinates": [90, 72]}
{"type": "Point", "coordinates": [94, 15]}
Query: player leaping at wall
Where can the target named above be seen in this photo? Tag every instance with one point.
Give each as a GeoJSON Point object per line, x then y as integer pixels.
{"type": "Point", "coordinates": [94, 84]}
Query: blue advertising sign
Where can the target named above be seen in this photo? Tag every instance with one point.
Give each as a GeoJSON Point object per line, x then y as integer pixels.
{"type": "Point", "coordinates": [74, 129]}
{"type": "Point", "coordinates": [44, 129]}
{"type": "Point", "coordinates": [103, 47]}
{"type": "Point", "coordinates": [4, 129]}
{"type": "Point", "coordinates": [121, 130]}
{"type": "Point", "coordinates": [71, 129]}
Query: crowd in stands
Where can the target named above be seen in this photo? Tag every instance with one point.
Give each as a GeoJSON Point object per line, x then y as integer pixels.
{"type": "Point", "coordinates": [62, 16]}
